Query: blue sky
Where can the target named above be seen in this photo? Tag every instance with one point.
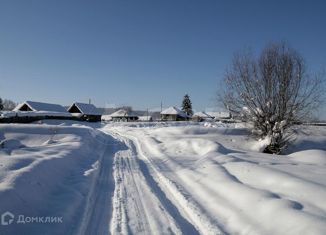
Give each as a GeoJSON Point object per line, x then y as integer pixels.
{"type": "Point", "coordinates": [128, 52]}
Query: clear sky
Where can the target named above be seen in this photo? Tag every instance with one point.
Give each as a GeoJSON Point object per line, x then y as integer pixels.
{"type": "Point", "coordinates": [139, 52]}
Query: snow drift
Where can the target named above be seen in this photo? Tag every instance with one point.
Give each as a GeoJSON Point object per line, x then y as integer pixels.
{"type": "Point", "coordinates": [46, 171]}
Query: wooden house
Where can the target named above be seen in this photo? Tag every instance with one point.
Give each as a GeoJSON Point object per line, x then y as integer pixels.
{"type": "Point", "coordinates": [147, 118]}
{"type": "Point", "coordinates": [174, 114]}
{"type": "Point", "coordinates": [123, 115]}
{"type": "Point", "coordinates": [201, 116]}
{"type": "Point", "coordinates": [220, 116]}
{"type": "Point", "coordinates": [33, 106]}
{"type": "Point", "coordinates": [30, 111]}
{"type": "Point", "coordinates": [85, 112]}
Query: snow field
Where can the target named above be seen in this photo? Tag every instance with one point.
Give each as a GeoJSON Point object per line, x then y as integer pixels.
{"type": "Point", "coordinates": [43, 174]}
{"type": "Point", "coordinates": [160, 178]}
{"type": "Point", "coordinates": [222, 187]}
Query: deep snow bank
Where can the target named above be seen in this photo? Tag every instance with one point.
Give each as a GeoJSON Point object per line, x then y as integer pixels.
{"type": "Point", "coordinates": [218, 183]}
{"type": "Point", "coordinates": [46, 171]}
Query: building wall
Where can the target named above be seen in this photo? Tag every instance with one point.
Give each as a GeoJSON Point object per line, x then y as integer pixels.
{"type": "Point", "coordinates": [92, 118]}
{"type": "Point", "coordinates": [124, 119]}
{"type": "Point", "coordinates": [172, 117]}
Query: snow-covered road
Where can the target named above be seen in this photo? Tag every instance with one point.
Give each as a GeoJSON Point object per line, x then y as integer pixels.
{"type": "Point", "coordinates": [140, 206]}
{"type": "Point", "coordinates": [159, 179]}
{"type": "Point", "coordinates": [187, 181]}
{"type": "Point", "coordinates": [98, 209]}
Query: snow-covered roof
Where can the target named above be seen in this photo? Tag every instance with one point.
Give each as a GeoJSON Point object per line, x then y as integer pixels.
{"type": "Point", "coordinates": [174, 111]}
{"type": "Point", "coordinates": [106, 117]}
{"type": "Point", "coordinates": [88, 109]}
{"type": "Point", "coordinates": [145, 118]}
{"type": "Point", "coordinates": [219, 114]}
{"type": "Point", "coordinates": [123, 113]}
{"type": "Point", "coordinates": [202, 115]}
{"type": "Point", "coordinates": [40, 106]}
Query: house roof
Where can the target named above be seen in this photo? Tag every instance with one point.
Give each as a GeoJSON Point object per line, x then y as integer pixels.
{"type": "Point", "coordinates": [219, 114]}
{"type": "Point", "coordinates": [123, 113]}
{"type": "Point", "coordinates": [39, 106]}
{"type": "Point", "coordinates": [88, 109]}
{"type": "Point", "coordinates": [202, 115]}
{"type": "Point", "coordinates": [174, 111]}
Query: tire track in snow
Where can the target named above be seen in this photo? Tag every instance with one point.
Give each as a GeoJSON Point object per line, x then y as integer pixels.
{"type": "Point", "coordinates": [190, 209]}
{"type": "Point", "coordinates": [125, 178]}
{"type": "Point", "coordinates": [226, 209]}
{"type": "Point", "coordinates": [140, 207]}
{"type": "Point", "coordinates": [98, 208]}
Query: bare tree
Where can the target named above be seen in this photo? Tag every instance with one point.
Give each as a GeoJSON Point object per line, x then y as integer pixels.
{"type": "Point", "coordinates": [8, 105]}
{"type": "Point", "coordinates": [273, 91]}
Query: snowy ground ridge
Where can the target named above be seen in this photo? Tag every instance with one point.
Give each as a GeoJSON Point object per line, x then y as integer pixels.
{"type": "Point", "coordinates": [159, 179]}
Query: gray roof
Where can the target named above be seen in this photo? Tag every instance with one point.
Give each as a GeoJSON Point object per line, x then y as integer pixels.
{"type": "Point", "coordinates": [174, 111]}
{"type": "Point", "coordinates": [219, 114]}
{"type": "Point", "coordinates": [39, 106]}
{"type": "Point", "coordinates": [202, 115]}
{"type": "Point", "coordinates": [88, 109]}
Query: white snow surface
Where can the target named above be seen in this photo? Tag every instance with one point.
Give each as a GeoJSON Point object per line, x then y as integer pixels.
{"type": "Point", "coordinates": [45, 172]}
{"type": "Point", "coordinates": [218, 185]}
{"type": "Point", "coordinates": [159, 178]}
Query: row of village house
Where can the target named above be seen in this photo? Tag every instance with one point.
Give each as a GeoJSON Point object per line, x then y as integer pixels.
{"type": "Point", "coordinates": [169, 114]}
{"type": "Point", "coordinates": [31, 111]}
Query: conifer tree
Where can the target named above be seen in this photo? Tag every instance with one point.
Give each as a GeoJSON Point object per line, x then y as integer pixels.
{"type": "Point", "coordinates": [186, 105]}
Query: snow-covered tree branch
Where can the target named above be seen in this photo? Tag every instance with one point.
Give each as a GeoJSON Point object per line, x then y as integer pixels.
{"type": "Point", "coordinates": [273, 91]}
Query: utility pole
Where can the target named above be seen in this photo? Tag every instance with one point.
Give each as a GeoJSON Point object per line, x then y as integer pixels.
{"type": "Point", "coordinates": [161, 110]}
{"type": "Point", "coordinates": [147, 115]}
{"type": "Point", "coordinates": [89, 101]}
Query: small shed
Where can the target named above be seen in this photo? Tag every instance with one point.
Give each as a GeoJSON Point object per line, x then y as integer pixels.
{"type": "Point", "coordinates": [220, 116]}
{"type": "Point", "coordinates": [174, 114]}
{"type": "Point", "coordinates": [145, 118]}
{"type": "Point", "coordinates": [85, 112]}
{"type": "Point", "coordinates": [201, 116]}
{"type": "Point", "coordinates": [123, 115]}
{"type": "Point", "coordinates": [106, 118]}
